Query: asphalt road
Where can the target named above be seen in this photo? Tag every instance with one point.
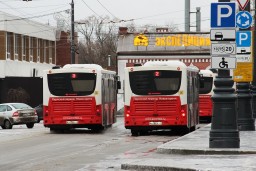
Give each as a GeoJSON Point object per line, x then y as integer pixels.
{"type": "Point", "coordinates": [39, 150]}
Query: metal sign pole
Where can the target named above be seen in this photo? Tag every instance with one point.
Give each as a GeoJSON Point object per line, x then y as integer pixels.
{"type": "Point", "coordinates": [253, 88]}
{"type": "Point", "coordinates": [244, 99]}
{"type": "Point", "coordinates": [224, 132]}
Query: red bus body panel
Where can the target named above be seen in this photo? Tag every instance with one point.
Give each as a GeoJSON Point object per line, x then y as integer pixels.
{"type": "Point", "coordinates": [205, 105]}
{"type": "Point", "coordinates": [147, 110]}
{"type": "Point", "coordinates": [62, 110]}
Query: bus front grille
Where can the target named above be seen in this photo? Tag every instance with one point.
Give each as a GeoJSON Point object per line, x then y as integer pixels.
{"type": "Point", "coordinates": [159, 107]}
{"type": "Point", "coordinates": [73, 106]}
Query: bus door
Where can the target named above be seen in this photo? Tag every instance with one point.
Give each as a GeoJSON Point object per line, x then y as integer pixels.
{"type": "Point", "coordinates": [105, 102]}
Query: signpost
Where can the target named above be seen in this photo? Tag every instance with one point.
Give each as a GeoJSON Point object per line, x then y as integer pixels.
{"type": "Point", "coordinates": [223, 35]}
{"type": "Point", "coordinates": [223, 49]}
{"type": "Point", "coordinates": [224, 62]}
{"type": "Point", "coordinates": [243, 20]}
{"type": "Point", "coordinates": [223, 15]}
{"type": "Point", "coordinates": [243, 72]}
{"type": "Point", "coordinates": [242, 3]}
{"type": "Point", "coordinates": [223, 43]}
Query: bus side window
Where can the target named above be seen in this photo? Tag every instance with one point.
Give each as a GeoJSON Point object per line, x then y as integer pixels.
{"type": "Point", "coordinates": [118, 85]}
{"type": "Point", "coordinates": [201, 80]}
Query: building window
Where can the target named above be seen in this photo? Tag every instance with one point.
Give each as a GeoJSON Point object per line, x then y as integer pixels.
{"type": "Point", "coordinates": [31, 49]}
{"type": "Point", "coordinates": [38, 50]}
{"type": "Point", "coordinates": [45, 52]}
{"type": "Point", "coordinates": [8, 45]}
{"type": "Point", "coordinates": [23, 48]}
{"type": "Point", "coordinates": [50, 52]}
{"type": "Point", "coordinates": [16, 47]}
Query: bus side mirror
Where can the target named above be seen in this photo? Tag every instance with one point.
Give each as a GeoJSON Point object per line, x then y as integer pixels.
{"type": "Point", "coordinates": [201, 80]}
{"type": "Point", "coordinates": [118, 85]}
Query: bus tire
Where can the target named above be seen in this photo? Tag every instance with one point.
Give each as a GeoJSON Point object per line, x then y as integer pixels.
{"type": "Point", "coordinates": [54, 130]}
{"type": "Point", "coordinates": [98, 128]}
{"type": "Point", "coordinates": [135, 132]}
{"type": "Point", "coordinates": [193, 128]}
{"type": "Point", "coordinates": [30, 125]}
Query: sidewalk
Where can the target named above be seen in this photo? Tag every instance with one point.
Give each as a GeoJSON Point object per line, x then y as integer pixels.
{"type": "Point", "coordinates": [192, 153]}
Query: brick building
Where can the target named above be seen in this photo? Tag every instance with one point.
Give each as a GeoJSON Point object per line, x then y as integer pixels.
{"type": "Point", "coordinates": [63, 45]}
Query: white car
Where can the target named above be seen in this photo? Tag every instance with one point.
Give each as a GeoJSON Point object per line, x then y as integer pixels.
{"type": "Point", "coordinates": [16, 114]}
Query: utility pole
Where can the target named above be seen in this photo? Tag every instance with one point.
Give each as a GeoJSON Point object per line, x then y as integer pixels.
{"type": "Point", "coordinates": [72, 34]}
{"type": "Point", "coordinates": [187, 15]}
{"type": "Point", "coordinates": [198, 19]}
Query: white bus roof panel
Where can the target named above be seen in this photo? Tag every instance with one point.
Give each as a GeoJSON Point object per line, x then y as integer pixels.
{"type": "Point", "coordinates": [165, 63]}
{"type": "Point", "coordinates": [86, 66]}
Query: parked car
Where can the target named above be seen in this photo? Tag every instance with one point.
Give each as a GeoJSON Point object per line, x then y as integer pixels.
{"type": "Point", "coordinates": [17, 114]}
{"type": "Point", "coordinates": [39, 111]}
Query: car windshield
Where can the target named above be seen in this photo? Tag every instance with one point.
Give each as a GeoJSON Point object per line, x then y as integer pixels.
{"type": "Point", "coordinates": [21, 106]}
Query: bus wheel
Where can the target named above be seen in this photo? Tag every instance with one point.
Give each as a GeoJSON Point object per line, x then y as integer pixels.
{"type": "Point", "coordinates": [192, 129]}
{"type": "Point", "coordinates": [54, 130]}
{"type": "Point", "coordinates": [135, 132]}
{"type": "Point", "coordinates": [98, 128]}
{"type": "Point", "coordinates": [30, 125]}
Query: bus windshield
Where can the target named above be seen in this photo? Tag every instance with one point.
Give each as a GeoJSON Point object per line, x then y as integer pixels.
{"type": "Point", "coordinates": [207, 86]}
{"type": "Point", "coordinates": [66, 84]}
{"type": "Point", "coordinates": [155, 82]}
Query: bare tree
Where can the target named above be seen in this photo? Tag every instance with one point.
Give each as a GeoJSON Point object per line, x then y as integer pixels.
{"type": "Point", "coordinates": [99, 40]}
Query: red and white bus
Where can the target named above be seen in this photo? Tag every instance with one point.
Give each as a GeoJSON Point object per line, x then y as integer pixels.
{"type": "Point", "coordinates": [161, 95]}
{"type": "Point", "coordinates": [79, 96]}
{"type": "Point", "coordinates": [205, 94]}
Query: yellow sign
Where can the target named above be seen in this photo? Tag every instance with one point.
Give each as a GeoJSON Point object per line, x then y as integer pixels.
{"type": "Point", "coordinates": [183, 40]}
{"type": "Point", "coordinates": [243, 72]}
{"type": "Point", "coordinates": [140, 40]}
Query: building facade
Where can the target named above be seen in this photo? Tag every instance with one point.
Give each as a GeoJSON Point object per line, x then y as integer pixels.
{"type": "Point", "coordinates": [63, 48]}
{"type": "Point", "coordinates": [26, 49]}
{"type": "Point", "coordinates": [192, 48]}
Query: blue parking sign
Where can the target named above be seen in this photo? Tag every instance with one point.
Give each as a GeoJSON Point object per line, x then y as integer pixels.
{"type": "Point", "coordinates": [223, 14]}
{"type": "Point", "coordinates": [243, 38]}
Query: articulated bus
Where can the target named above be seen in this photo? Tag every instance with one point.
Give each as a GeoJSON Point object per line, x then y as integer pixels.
{"type": "Point", "coordinates": [205, 94]}
{"type": "Point", "coordinates": [79, 96]}
{"type": "Point", "coordinates": [161, 95]}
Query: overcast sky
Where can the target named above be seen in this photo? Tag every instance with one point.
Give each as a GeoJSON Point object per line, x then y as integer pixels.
{"type": "Point", "coordinates": [155, 12]}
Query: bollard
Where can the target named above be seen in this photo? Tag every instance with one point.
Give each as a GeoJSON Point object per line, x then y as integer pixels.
{"type": "Point", "coordinates": [245, 119]}
{"type": "Point", "coordinates": [224, 131]}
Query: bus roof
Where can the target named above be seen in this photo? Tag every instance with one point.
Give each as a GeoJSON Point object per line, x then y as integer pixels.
{"type": "Point", "coordinates": [91, 66]}
{"type": "Point", "coordinates": [165, 63]}
{"type": "Point", "coordinates": [208, 73]}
